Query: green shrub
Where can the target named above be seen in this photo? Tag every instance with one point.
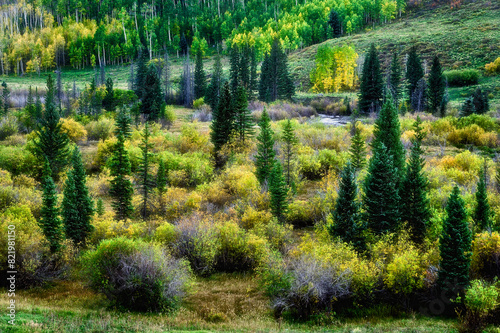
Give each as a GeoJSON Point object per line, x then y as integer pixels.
{"type": "Point", "coordinates": [196, 166]}
{"type": "Point", "coordinates": [461, 78]}
{"type": "Point", "coordinates": [487, 123]}
{"type": "Point", "coordinates": [101, 129]}
{"type": "Point", "coordinates": [480, 300]}
{"type": "Point", "coordinates": [18, 160]}
{"type": "Point", "coordinates": [279, 236]}
{"type": "Point", "coordinates": [135, 275]}
{"type": "Point", "coordinates": [485, 261]}
{"type": "Point", "coordinates": [197, 103]}
{"type": "Point", "coordinates": [8, 127]}
{"type": "Point", "coordinates": [124, 97]}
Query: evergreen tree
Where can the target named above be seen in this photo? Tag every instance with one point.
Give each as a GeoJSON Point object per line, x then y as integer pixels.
{"type": "Point", "coordinates": [186, 94]}
{"type": "Point", "coordinates": [216, 84]}
{"type": "Point", "coordinates": [335, 23]}
{"type": "Point", "coordinates": [243, 122]}
{"type": "Point", "coordinates": [200, 80]}
{"type": "Point", "coordinates": [234, 75]}
{"type": "Point", "coordinates": [121, 189]}
{"type": "Point", "coordinates": [30, 111]}
{"type": "Point", "coordinates": [454, 246]}
{"type": "Point", "coordinates": [265, 80]}
{"type": "Point", "coordinates": [415, 207]}
{"type": "Point", "coordinates": [146, 183]}
{"type": "Point", "coordinates": [49, 221]}
{"type": "Point", "coordinates": [140, 76]}
{"type": "Point", "coordinates": [414, 71]}
{"type": "Point", "coordinates": [278, 191]}
{"type": "Point", "coordinates": [51, 143]}
{"type": "Point", "coordinates": [481, 215]}
{"type": "Point", "coordinates": [253, 74]}
{"type": "Point", "coordinates": [357, 150]}
{"type": "Point", "coordinates": [467, 108]}
{"type": "Point", "coordinates": [77, 206]}
{"type": "Point", "coordinates": [5, 98]}
{"type": "Point", "coordinates": [290, 140]}
{"type": "Point", "coordinates": [395, 80]}
{"type": "Point", "coordinates": [152, 98]}
{"type": "Point", "coordinates": [437, 86]}
{"type": "Point", "coordinates": [108, 101]}
{"type": "Point", "coordinates": [244, 68]}
{"type": "Point", "coordinates": [222, 124]}
{"type": "Point", "coordinates": [371, 86]}
{"type": "Point", "coordinates": [183, 45]}
{"type": "Point", "coordinates": [265, 153]}
{"type": "Point", "coordinates": [388, 132]}
{"type": "Point", "coordinates": [275, 81]}
{"type": "Point", "coordinates": [346, 214]}
{"type": "Point", "coordinates": [381, 199]}
{"type": "Point", "coordinates": [123, 123]}
{"type": "Point", "coordinates": [480, 101]}
{"type": "Point", "coordinates": [100, 207]}
{"type": "Point", "coordinates": [38, 107]}
{"type": "Point", "coordinates": [419, 97]}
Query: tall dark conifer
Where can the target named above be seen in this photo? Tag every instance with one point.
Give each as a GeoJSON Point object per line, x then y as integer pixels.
{"type": "Point", "coordinates": [243, 121]}
{"type": "Point", "coordinates": [275, 81]}
{"type": "Point", "coordinates": [335, 23]}
{"type": "Point", "coordinates": [216, 84]}
{"type": "Point", "coordinates": [480, 101]}
{"type": "Point", "coordinates": [482, 213]}
{"type": "Point", "coordinates": [395, 79]}
{"type": "Point", "coordinates": [278, 191]}
{"type": "Point", "coordinates": [222, 124]}
{"type": "Point", "coordinates": [357, 150]}
{"type": "Point", "coordinates": [141, 71]}
{"type": "Point", "coordinates": [5, 98]}
{"type": "Point", "coordinates": [109, 99]}
{"type": "Point", "coordinates": [414, 71]}
{"type": "Point", "coordinates": [50, 221]}
{"type": "Point", "coordinates": [200, 79]}
{"type": "Point", "coordinates": [371, 86]}
{"type": "Point", "coordinates": [266, 156]}
{"type": "Point", "coordinates": [152, 98]}
{"type": "Point", "coordinates": [290, 141]}
{"type": "Point", "coordinates": [234, 71]}
{"type": "Point", "coordinates": [437, 86]}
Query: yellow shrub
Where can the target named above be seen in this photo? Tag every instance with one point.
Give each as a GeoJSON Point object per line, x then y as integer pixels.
{"type": "Point", "coordinates": [104, 151]}
{"type": "Point", "coordinates": [252, 217]}
{"type": "Point", "coordinates": [474, 135]}
{"type": "Point", "coordinates": [106, 227]}
{"type": "Point", "coordinates": [493, 67]}
{"type": "Point", "coordinates": [165, 234]}
{"type": "Point", "coordinates": [178, 201]}
{"type": "Point", "coordinates": [191, 139]}
{"type": "Point", "coordinates": [485, 261]}
{"type": "Point", "coordinates": [74, 130]}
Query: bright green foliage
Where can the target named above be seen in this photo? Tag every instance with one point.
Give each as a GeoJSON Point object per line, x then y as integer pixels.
{"type": "Point", "coordinates": [200, 79]}
{"type": "Point", "coordinates": [77, 206]}
{"type": "Point", "coordinates": [395, 79]}
{"type": "Point", "coordinates": [222, 123]}
{"type": "Point", "coordinates": [437, 86]}
{"type": "Point", "coordinates": [243, 121]}
{"type": "Point", "coordinates": [275, 82]}
{"type": "Point", "coordinates": [371, 86]}
{"type": "Point", "coordinates": [146, 181]}
{"type": "Point", "coordinates": [497, 178]}
{"type": "Point", "coordinates": [5, 98]}
{"type": "Point", "coordinates": [358, 150]}
{"type": "Point", "coordinates": [278, 190]}
{"type": "Point", "coordinates": [51, 142]}
{"type": "Point", "coordinates": [414, 71]}
{"type": "Point", "coordinates": [123, 122]}
{"type": "Point", "coordinates": [482, 214]}
{"type": "Point", "coordinates": [100, 207]}
{"type": "Point", "coordinates": [346, 214]}
{"type": "Point", "coordinates": [49, 221]}
{"type": "Point", "coordinates": [381, 199]}
{"type": "Point", "coordinates": [215, 88]}
{"type": "Point", "coordinates": [480, 101]}
{"type": "Point", "coordinates": [152, 96]}
{"type": "Point", "coordinates": [455, 246]}
{"type": "Point", "coordinates": [335, 23]}
{"type": "Point", "coordinates": [121, 187]}
{"type": "Point", "coordinates": [109, 102]}
{"type": "Point", "coordinates": [161, 177]}
{"type": "Point", "coordinates": [387, 132]}
{"type": "Point", "coordinates": [415, 207]}
{"type": "Point", "coordinates": [290, 140]}
{"type": "Point", "coordinates": [265, 153]}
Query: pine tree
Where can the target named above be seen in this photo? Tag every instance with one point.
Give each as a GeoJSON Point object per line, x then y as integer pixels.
{"type": "Point", "coordinates": [123, 122]}
{"type": "Point", "coordinates": [38, 107]}
{"type": "Point", "coordinates": [371, 86]}
{"type": "Point", "coordinates": [454, 246]}
{"type": "Point", "coordinates": [415, 207]}
{"type": "Point", "coordinates": [358, 150]}
{"type": "Point", "coordinates": [234, 74]}
{"type": "Point", "coordinates": [243, 122]}
{"type": "Point", "coordinates": [140, 75]}
{"type": "Point", "coordinates": [414, 71]}
{"type": "Point", "coordinates": [467, 108]}
{"type": "Point", "coordinates": [108, 101]}
{"type": "Point", "coordinates": [437, 86]}
{"type": "Point", "coordinates": [200, 80]}
{"type": "Point", "coordinates": [265, 153]}
{"type": "Point", "coordinates": [152, 98]}
{"type": "Point", "coordinates": [5, 98]}
{"type": "Point", "coordinates": [216, 84]}
{"type": "Point", "coordinates": [388, 132]}
{"type": "Point", "coordinates": [244, 68]}
{"type": "Point", "coordinates": [275, 81]}
{"type": "Point", "coordinates": [77, 206]}
{"type": "Point", "coordinates": [100, 207]}
{"type": "Point", "coordinates": [480, 101]}
{"type": "Point", "coordinates": [290, 140]}
{"type": "Point", "coordinates": [278, 191]}
{"type": "Point", "coordinates": [265, 80]}
{"type": "Point", "coordinates": [481, 215]}
{"type": "Point", "coordinates": [222, 124]}
{"type": "Point", "coordinates": [30, 111]}
{"type": "Point", "coordinates": [146, 183]}
{"type": "Point", "coordinates": [49, 221]}
{"type": "Point", "coordinates": [395, 79]}
{"type": "Point", "coordinates": [121, 189]}
{"type": "Point", "coordinates": [183, 45]}
{"type": "Point", "coordinates": [253, 74]}
{"type": "Point", "coordinates": [51, 143]}
{"type": "Point", "coordinates": [335, 24]}
{"type": "Point", "coordinates": [381, 199]}
{"type": "Point", "coordinates": [346, 214]}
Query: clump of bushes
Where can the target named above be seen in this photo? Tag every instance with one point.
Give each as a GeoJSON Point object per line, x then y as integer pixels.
{"type": "Point", "coordinates": [101, 129]}
{"type": "Point", "coordinates": [8, 127]}
{"type": "Point", "coordinates": [461, 78]}
{"type": "Point", "coordinates": [485, 261]}
{"type": "Point", "coordinates": [480, 300]}
{"type": "Point", "coordinates": [136, 275]}
{"type": "Point", "coordinates": [493, 67]}
{"type": "Point", "coordinates": [73, 129]}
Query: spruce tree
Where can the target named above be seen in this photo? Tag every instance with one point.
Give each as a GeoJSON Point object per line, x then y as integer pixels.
{"type": "Point", "coordinates": [253, 74]}
{"type": "Point", "coordinates": [414, 71]}
{"type": "Point", "coordinates": [335, 23]}
{"type": "Point", "coordinates": [200, 80]}
{"type": "Point", "coordinates": [183, 45]}
{"type": "Point", "coordinates": [49, 221]}
{"type": "Point", "coordinates": [395, 80]}
{"type": "Point", "coordinates": [140, 75]}
{"type": "Point", "coordinates": [38, 107]}
{"type": "Point", "coordinates": [265, 153]}
{"type": "Point", "coordinates": [467, 108]}
{"type": "Point", "coordinates": [454, 246]}
{"type": "Point", "coordinates": [234, 74]}
{"type": "Point", "coordinates": [371, 86]}
{"type": "Point", "coordinates": [265, 80]}
{"type": "Point", "coordinates": [415, 208]}
{"type": "Point", "coordinates": [100, 207]}
{"type": "Point", "coordinates": [275, 81]}
{"type": "Point", "coordinates": [152, 97]}
{"type": "Point", "coordinates": [278, 191]}
{"type": "Point", "coordinates": [30, 111]}
{"type": "Point", "coordinates": [480, 101]}
{"type": "Point", "coordinates": [51, 142]}
{"type": "Point", "coordinates": [5, 98]}
{"type": "Point", "coordinates": [123, 123]}
{"type": "Point", "coordinates": [243, 122]}
{"type": "Point", "coordinates": [388, 132]}
{"type": "Point", "coordinates": [222, 124]}
{"type": "Point", "coordinates": [381, 199]}
{"type": "Point", "coordinates": [290, 141]}
{"type": "Point", "coordinates": [244, 67]}
{"type": "Point", "coordinates": [77, 206]}
{"type": "Point", "coordinates": [146, 182]}
{"type": "Point", "coordinates": [346, 214]}
{"type": "Point", "coordinates": [109, 99]}
{"type": "Point", "coordinates": [437, 86]}
{"type": "Point", "coordinates": [216, 84]}
{"type": "Point", "coordinates": [357, 150]}
{"type": "Point", "coordinates": [121, 189]}
{"type": "Point", "coordinates": [481, 215]}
